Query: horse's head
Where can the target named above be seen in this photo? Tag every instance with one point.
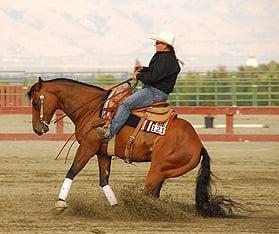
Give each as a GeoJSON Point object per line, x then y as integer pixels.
{"type": "Point", "coordinates": [44, 104]}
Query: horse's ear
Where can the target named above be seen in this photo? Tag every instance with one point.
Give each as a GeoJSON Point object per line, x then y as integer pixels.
{"type": "Point", "coordinates": [40, 82]}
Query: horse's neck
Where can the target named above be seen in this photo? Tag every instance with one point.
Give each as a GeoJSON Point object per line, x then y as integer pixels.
{"type": "Point", "coordinates": [78, 101]}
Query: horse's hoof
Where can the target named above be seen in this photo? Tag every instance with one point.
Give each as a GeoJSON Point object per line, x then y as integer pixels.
{"type": "Point", "coordinates": [60, 205]}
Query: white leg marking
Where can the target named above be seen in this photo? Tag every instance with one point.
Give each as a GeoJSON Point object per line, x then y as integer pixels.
{"type": "Point", "coordinates": [110, 195]}
{"type": "Point", "coordinates": [65, 189]}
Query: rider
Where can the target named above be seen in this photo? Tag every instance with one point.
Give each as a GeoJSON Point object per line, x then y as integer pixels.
{"type": "Point", "coordinates": [158, 78]}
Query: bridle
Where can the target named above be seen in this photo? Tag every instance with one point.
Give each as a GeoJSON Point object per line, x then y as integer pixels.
{"type": "Point", "coordinates": [42, 121]}
{"type": "Point", "coordinates": [42, 97]}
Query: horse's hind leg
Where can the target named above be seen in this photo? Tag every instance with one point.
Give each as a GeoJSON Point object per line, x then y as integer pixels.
{"type": "Point", "coordinates": [104, 172]}
{"type": "Point", "coordinates": [82, 156]}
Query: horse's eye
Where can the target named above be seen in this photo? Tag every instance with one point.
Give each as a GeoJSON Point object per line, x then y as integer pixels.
{"type": "Point", "coordinates": [36, 104]}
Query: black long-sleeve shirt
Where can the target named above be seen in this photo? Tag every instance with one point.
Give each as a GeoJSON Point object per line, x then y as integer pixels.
{"type": "Point", "coordinates": [161, 73]}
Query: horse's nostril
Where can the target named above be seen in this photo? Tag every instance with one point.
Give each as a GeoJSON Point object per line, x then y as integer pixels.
{"type": "Point", "coordinates": [37, 131]}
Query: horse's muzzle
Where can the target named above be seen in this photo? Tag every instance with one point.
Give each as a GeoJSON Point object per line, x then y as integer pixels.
{"type": "Point", "coordinates": [41, 128]}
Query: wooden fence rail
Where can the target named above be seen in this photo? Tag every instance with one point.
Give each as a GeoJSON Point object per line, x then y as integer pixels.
{"type": "Point", "coordinates": [229, 112]}
{"type": "Point", "coordinates": [13, 95]}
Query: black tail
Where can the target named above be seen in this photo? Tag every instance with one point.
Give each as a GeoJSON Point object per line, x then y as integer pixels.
{"type": "Point", "coordinates": [209, 205]}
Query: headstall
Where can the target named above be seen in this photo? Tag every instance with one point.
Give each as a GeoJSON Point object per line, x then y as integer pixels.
{"type": "Point", "coordinates": [45, 125]}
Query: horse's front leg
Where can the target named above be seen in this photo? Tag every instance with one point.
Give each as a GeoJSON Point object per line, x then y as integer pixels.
{"type": "Point", "coordinates": [104, 172]}
{"type": "Point", "coordinates": [82, 156]}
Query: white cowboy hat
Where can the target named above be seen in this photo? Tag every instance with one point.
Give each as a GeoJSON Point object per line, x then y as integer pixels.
{"type": "Point", "coordinates": [164, 36]}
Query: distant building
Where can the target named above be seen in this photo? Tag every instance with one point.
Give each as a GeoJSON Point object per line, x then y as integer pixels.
{"type": "Point", "coordinates": [252, 61]}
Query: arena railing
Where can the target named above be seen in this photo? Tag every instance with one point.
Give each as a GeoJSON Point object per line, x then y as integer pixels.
{"type": "Point", "coordinates": [229, 112]}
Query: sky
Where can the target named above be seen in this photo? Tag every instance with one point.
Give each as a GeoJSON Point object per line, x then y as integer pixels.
{"type": "Point", "coordinates": [88, 35]}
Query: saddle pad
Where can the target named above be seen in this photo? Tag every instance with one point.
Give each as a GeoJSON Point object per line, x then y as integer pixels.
{"type": "Point", "coordinates": [149, 125]}
{"type": "Point", "coordinates": [133, 121]}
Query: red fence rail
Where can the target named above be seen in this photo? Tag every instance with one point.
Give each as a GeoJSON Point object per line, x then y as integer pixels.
{"type": "Point", "coordinates": [13, 95]}
{"type": "Point", "coordinates": [59, 134]}
{"type": "Point", "coordinates": [229, 112]}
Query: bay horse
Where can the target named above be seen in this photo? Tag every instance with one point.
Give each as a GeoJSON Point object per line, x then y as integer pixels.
{"type": "Point", "coordinates": [174, 154]}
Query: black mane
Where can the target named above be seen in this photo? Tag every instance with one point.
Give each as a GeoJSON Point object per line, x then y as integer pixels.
{"type": "Point", "coordinates": [34, 87]}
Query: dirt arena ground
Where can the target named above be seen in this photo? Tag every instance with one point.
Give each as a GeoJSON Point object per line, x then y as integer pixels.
{"type": "Point", "coordinates": [30, 181]}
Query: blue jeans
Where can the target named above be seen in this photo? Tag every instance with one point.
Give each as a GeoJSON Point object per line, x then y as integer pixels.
{"type": "Point", "coordinates": [142, 98]}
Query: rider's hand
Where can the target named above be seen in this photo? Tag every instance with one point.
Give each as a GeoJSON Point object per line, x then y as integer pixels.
{"type": "Point", "coordinates": [138, 68]}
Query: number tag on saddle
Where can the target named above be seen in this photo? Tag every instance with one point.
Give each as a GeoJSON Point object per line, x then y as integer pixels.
{"type": "Point", "coordinates": [155, 127]}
